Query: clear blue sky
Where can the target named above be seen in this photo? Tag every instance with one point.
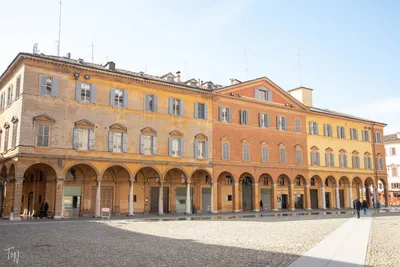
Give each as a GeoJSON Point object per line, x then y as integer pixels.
{"type": "Point", "coordinates": [349, 49]}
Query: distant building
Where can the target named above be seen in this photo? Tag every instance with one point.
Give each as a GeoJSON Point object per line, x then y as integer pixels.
{"type": "Point", "coordinates": [392, 147]}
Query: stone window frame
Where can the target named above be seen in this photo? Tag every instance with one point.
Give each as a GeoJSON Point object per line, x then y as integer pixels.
{"type": "Point", "coordinates": [329, 157]}
{"type": "Point", "coordinates": [246, 143]}
{"type": "Point", "coordinates": [14, 121]}
{"type": "Point", "coordinates": [176, 135]}
{"type": "Point", "coordinates": [6, 137]}
{"type": "Point", "coordinates": [225, 141]}
{"type": "Point", "coordinates": [343, 159]}
{"type": "Point", "coordinates": [46, 120]}
{"type": "Point", "coordinates": [355, 159]}
{"type": "Point", "coordinates": [86, 125]}
{"type": "Point", "coordinates": [282, 147]}
{"type": "Point", "coordinates": [367, 160]}
{"type": "Point", "coordinates": [298, 149]}
{"type": "Point", "coordinates": [314, 153]}
{"type": "Point", "coordinates": [264, 151]}
{"type": "Point", "coordinates": [148, 131]}
{"type": "Point", "coordinates": [380, 162]}
{"type": "Point", "coordinates": [118, 128]}
{"type": "Point", "coordinates": [200, 138]}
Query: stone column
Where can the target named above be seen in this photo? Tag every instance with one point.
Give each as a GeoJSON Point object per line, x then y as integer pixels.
{"type": "Point", "coordinates": [130, 203]}
{"type": "Point", "coordinates": [17, 198]}
{"type": "Point", "coordinates": [236, 197]}
{"type": "Point", "coordinates": [351, 196]}
{"type": "Point", "coordinates": [214, 197]}
{"type": "Point", "coordinates": [274, 193]}
{"type": "Point", "coordinates": [59, 203]}
{"type": "Point", "coordinates": [291, 197]}
{"type": "Point", "coordinates": [323, 197]}
{"type": "Point", "coordinates": [256, 199]}
{"type": "Point", "coordinates": [362, 194]}
{"type": "Point", "coordinates": [188, 206]}
{"type": "Point", "coordinates": [337, 197]}
{"type": "Point", "coordinates": [98, 199]}
{"type": "Point", "coordinates": [386, 195]}
{"type": "Point", "coordinates": [161, 199]}
{"type": "Point", "coordinates": [307, 196]}
{"type": "Point", "coordinates": [375, 197]}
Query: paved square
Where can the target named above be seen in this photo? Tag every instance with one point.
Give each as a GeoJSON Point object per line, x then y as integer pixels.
{"type": "Point", "coordinates": [233, 242]}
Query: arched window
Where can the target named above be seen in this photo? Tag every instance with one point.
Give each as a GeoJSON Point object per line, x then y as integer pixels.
{"type": "Point", "coordinates": [148, 141]}
{"type": "Point", "coordinates": [281, 180]}
{"type": "Point", "coordinates": [326, 182]}
{"type": "Point", "coordinates": [312, 181]}
{"type": "Point", "coordinates": [314, 156]}
{"type": "Point", "coordinates": [329, 158]}
{"type": "Point", "coordinates": [201, 146]}
{"type": "Point", "coordinates": [298, 181]}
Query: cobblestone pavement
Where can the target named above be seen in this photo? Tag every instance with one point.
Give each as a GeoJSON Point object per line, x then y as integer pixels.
{"type": "Point", "coordinates": [384, 247]}
{"type": "Point", "coordinates": [235, 242]}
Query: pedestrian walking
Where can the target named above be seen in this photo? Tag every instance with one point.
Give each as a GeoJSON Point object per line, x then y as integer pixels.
{"type": "Point", "coordinates": [358, 208]}
{"type": "Point", "coordinates": [365, 206]}
{"type": "Point", "coordinates": [41, 213]}
{"type": "Point", "coordinates": [261, 205]}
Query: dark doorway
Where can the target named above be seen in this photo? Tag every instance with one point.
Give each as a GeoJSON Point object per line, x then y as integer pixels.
{"type": "Point", "coordinates": [341, 197]}
{"type": "Point", "coordinates": [298, 201]}
{"type": "Point", "coordinates": [284, 201]}
{"type": "Point", "coordinates": [327, 200]}
{"type": "Point", "coordinates": [155, 193]}
{"type": "Point", "coordinates": [30, 202]}
{"type": "Point", "coordinates": [247, 194]}
{"type": "Point", "coordinates": [265, 195]}
{"type": "Point", "coordinates": [205, 199]}
{"type": "Point", "coordinates": [106, 198]}
{"type": "Point", "coordinates": [314, 198]}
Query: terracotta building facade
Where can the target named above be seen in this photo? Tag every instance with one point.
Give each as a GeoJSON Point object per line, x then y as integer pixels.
{"type": "Point", "coordinates": [87, 139]}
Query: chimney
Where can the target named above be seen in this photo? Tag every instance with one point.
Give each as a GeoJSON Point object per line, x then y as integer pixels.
{"type": "Point", "coordinates": [178, 76]}
{"type": "Point", "coordinates": [69, 55]}
{"type": "Point", "coordinates": [111, 65]}
{"type": "Point", "coordinates": [80, 60]}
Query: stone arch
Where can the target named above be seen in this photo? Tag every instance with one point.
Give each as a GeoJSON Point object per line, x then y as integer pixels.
{"type": "Point", "coordinates": [286, 180]}
{"type": "Point", "coordinates": [201, 169]}
{"type": "Point", "coordinates": [121, 165]}
{"type": "Point", "coordinates": [151, 167]}
{"type": "Point", "coordinates": [247, 195]}
{"type": "Point", "coordinates": [187, 177]}
{"type": "Point", "coordinates": [225, 192]}
{"type": "Point", "coordinates": [39, 186]}
{"type": "Point", "coordinates": [344, 181]}
{"type": "Point", "coordinates": [330, 180]}
{"type": "Point", "coordinates": [81, 164]}
{"type": "Point", "coordinates": [265, 179]}
{"type": "Point", "coordinates": [300, 180]}
{"type": "Point", "coordinates": [315, 180]}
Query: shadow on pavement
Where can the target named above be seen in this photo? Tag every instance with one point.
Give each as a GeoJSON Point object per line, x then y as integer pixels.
{"type": "Point", "coordinates": [99, 244]}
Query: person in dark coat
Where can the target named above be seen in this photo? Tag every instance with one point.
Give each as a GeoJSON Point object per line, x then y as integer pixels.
{"type": "Point", "coordinates": [261, 205]}
{"type": "Point", "coordinates": [41, 214]}
{"type": "Point", "coordinates": [365, 206]}
{"type": "Point", "coordinates": [358, 208]}
{"type": "Point", "coordinates": [46, 209]}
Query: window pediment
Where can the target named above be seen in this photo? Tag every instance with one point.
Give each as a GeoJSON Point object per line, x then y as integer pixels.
{"type": "Point", "coordinates": [367, 154]}
{"type": "Point", "coordinates": [245, 141]}
{"type": "Point", "coordinates": [264, 143]}
{"type": "Point", "coordinates": [355, 153]}
{"type": "Point", "coordinates": [201, 137]}
{"type": "Point", "coordinates": [176, 133]}
{"type": "Point", "coordinates": [84, 124]}
{"type": "Point", "coordinates": [225, 138]}
{"type": "Point", "coordinates": [44, 118]}
{"type": "Point", "coordinates": [14, 119]}
{"type": "Point", "coordinates": [282, 145]}
{"type": "Point", "coordinates": [298, 147]}
{"type": "Point", "coordinates": [148, 131]}
{"type": "Point", "coordinates": [330, 150]}
{"type": "Point", "coordinates": [6, 125]}
{"type": "Point", "coordinates": [314, 148]}
{"type": "Point", "coordinates": [342, 151]}
{"type": "Point", "coordinates": [118, 127]}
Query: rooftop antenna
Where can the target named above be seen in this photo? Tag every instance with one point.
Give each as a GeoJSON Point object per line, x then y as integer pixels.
{"type": "Point", "coordinates": [246, 66]}
{"type": "Point", "coordinates": [36, 48]}
{"type": "Point", "coordinates": [298, 60]}
{"type": "Point", "coordinates": [92, 52]}
{"type": "Point", "coordinates": [59, 33]}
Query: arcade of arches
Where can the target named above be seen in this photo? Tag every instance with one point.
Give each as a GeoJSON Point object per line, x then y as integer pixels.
{"type": "Point", "coordinates": [84, 189]}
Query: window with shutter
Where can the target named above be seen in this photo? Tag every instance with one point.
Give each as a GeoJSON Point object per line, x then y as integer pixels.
{"type": "Point", "coordinates": [43, 135]}
{"type": "Point", "coordinates": [341, 164]}
{"type": "Point", "coordinates": [118, 100]}
{"type": "Point", "coordinates": [200, 110]}
{"type": "Point", "coordinates": [18, 87]}
{"type": "Point", "coordinates": [264, 151]}
{"type": "Point", "coordinates": [83, 139]}
{"type": "Point", "coordinates": [297, 125]}
{"type": "Point", "coordinates": [225, 151]}
{"type": "Point", "coordinates": [282, 152]}
{"type": "Point", "coordinates": [6, 136]}
{"type": "Point", "coordinates": [246, 152]}
{"type": "Point", "coordinates": [299, 157]}
{"type": "Point", "coordinates": [14, 135]}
